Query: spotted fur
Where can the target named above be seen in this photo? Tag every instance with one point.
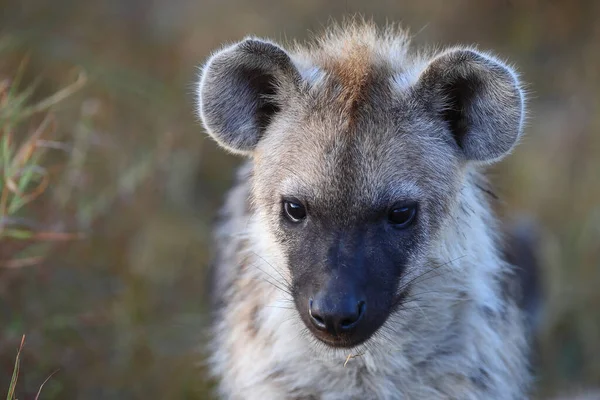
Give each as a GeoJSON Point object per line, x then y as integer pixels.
{"type": "Point", "coordinates": [348, 122]}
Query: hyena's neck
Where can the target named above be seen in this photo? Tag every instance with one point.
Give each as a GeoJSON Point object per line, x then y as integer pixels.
{"type": "Point", "coordinates": [468, 244]}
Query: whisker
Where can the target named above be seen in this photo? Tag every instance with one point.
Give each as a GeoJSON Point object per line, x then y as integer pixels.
{"type": "Point", "coordinates": [422, 278]}
{"type": "Point", "coordinates": [428, 292]}
{"type": "Point", "coordinates": [261, 279]}
{"type": "Point", "coordinates": [285, 287]}
{"type": "Point", "coordinates": [432, 269]}
{"type": "Point", "coordinates": [284, 282]}
{"type": "Point", "coordinates": [271, 265]}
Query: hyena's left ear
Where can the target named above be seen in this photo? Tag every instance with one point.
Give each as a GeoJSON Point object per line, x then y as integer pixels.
{"type": "Point", "coordinates": [480, 99]}
{"type": "Point", "coordinates": [241, 88]}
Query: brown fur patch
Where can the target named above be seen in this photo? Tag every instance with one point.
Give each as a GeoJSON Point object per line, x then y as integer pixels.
{"type": "Point", "coordinates": [249, 306]}
{"type": "Point", "coordinates": [354, 69]}
{"type": "Point", "coordinates": [353, 56]}
{"type": "Point", "coordinates": [245, 260]}
{"type": "Point", "coordinates": [254, 322]}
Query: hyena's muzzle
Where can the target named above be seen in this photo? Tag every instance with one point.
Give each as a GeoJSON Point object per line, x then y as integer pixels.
{"type": "Point", "coordinates": [345, 280]}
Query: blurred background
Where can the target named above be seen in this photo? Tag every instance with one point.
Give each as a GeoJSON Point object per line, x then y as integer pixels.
{"type": "Point", "coordinates": [109, 185]}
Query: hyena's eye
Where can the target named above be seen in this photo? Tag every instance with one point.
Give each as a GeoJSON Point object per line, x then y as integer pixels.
{"type": "Point", "coordinates": [402, 216]}
{"type": "Point", "coordinates": [294, 211]}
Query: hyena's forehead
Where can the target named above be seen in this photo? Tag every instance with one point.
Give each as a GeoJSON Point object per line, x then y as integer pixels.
{"type": "Point", "coordinates": [380, 159]}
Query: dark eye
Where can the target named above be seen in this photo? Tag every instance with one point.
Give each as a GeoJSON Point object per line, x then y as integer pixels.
{"type": "Point", "coordinates": [403, 216]}
{"type": "Point", "coordinates": [295, 212]}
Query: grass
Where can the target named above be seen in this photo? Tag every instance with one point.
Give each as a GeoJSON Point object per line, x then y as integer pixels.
{"type": "Point", "coordinates": [24, 178]}
{"type": "Point", "coordinates": [15, 375]}
{"type": "Point", "coordinates": [23, 175]}
{"type": "Point", "coordinates": [60, 175]}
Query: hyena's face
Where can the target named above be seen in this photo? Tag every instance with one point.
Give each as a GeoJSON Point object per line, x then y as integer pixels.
{"type": "Point", "coordinates": [354, 209]}
{"type": "Point", "coordinates": [354, 171]}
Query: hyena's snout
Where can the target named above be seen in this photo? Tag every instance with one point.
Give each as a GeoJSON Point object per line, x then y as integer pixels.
{"type": "Point", "coordinates": [342, 312]}
{"type": "Point", "coordinates": [337, 311]}
{"type": "Point", "coordinates": [344, 283]}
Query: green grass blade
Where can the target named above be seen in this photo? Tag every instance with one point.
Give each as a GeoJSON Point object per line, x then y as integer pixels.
{"type": "Point", "coordinates": [15, 375]}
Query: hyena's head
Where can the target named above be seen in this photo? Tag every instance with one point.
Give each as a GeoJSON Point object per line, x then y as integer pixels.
{"type": "Point", "coordinates": [360, 151]}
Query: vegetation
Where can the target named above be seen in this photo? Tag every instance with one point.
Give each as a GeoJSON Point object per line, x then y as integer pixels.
{"type": "Point", "coordinates": [23, 176]}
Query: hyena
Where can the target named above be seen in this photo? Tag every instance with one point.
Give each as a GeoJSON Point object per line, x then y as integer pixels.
{"type": "Point", "coordinates": [357, 254]}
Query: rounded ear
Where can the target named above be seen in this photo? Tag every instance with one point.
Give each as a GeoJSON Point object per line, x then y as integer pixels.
{"type": "Point", "coordinates": [479, 97]}
{"type": "Point", "coordinates": [241, 89]}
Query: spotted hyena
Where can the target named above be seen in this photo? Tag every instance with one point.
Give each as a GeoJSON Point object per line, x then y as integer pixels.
{"type": "Point", "coordinates": [357, 255]}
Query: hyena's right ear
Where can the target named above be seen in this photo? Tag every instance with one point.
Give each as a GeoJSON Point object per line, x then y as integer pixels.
{"type": "Point", "coordinates": [241, 89]}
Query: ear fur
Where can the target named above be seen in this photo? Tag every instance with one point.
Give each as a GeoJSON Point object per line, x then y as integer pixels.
{"type": "Point", "coordinates": [479, 97]}
{"type": "Point", "coordinates": [240, 90]}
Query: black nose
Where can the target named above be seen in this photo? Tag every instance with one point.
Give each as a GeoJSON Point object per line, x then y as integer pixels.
{"type": "Point", "coordinates": [335, 315]}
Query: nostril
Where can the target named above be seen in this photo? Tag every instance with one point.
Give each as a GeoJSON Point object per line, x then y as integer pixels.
{"type": "Point", "coordinates": [347, 323]}
{"type": "Point", "coordinates": [351, 320]}
{"type": "Point", "coordinates": [317, 320]}
{"type": "Point", "coordinates": [362, 306]}
{"type": "Point", "coordinates": [335, 317]}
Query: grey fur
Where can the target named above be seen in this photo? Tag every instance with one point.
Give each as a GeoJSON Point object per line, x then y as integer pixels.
{"type": "Point", "coordinates": [355, 121]}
